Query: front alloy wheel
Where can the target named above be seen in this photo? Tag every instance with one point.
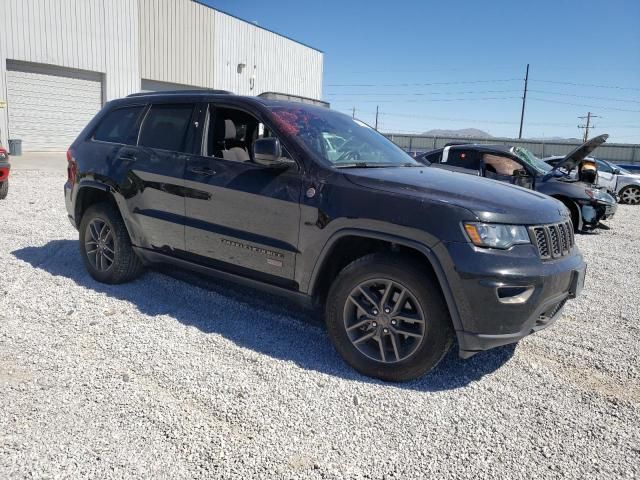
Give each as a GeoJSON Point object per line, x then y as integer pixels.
{"type": "Point", "coordinates": [386, 316]}
{"type": "Point", "coordinates": [630, 195]}
{"type": "Point", "coordinates": [384, 320]}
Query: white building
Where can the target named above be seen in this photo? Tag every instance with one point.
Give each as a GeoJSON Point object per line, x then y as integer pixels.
{"type": "Point", "coordinates": [60, 60]}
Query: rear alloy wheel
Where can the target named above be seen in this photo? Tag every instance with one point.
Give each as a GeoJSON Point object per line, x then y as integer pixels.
{"type": "Point", "coordinates": [387, 317]}
{"type": "Point", "coordinates": [105, 245]}
{"type": "Point", "coordinates": [630, 195]}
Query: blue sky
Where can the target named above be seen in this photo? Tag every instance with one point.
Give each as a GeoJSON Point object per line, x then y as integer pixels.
{"type": "Point", "coordinates": [461, 64]}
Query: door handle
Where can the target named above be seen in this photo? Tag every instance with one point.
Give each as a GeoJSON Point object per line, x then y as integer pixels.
{"type": "Point", "coordinates": [202, 171]}
{"type": "Point", "coordinates": [127, 157]}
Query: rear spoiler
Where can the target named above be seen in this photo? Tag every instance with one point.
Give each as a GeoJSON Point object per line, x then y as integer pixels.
{"type": "Point", "coordinates": [293, 98]}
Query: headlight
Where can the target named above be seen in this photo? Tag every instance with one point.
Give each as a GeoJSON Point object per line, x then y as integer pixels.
{"type": "Point", "coordinates": [496, 235]}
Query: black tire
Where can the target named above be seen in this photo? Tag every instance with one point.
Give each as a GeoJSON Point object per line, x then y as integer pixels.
{"type": "Point", "coordinates": [125, 264]}
{"type": "Point", "coordinates": [437, 332]}
{"type": "Point", "coordinates": [4, 189]}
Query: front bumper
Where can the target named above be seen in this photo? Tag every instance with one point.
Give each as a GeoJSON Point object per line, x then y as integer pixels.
{"type": "Point", "coordinates": [478, 277]}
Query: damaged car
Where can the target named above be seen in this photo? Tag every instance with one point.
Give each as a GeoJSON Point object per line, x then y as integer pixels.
{"type": "Point", "coordinates": [589, 206]}
{"type": "Point", "coordinates": [617, 180]}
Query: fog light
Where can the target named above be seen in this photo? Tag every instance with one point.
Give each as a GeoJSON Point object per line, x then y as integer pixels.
{"type": "Point", "coordinates": [514, 295]}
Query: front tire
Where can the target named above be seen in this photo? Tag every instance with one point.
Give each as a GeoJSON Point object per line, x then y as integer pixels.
{"type": "Point", "coordinates": [630, 195]}
{"type": "Point", "coordinates": [105, 246]}
{"type": "Point", "coordinates": [4, 189]}
{"type": "Point", "coordinates": [387, 318]}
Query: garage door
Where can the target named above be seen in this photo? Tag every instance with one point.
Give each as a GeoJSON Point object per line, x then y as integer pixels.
{"type": "Point", "coordinates": [49, 106]}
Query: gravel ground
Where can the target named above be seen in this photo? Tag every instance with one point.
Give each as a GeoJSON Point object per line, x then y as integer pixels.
{"type": "Point", "coordinates": [162, 378]}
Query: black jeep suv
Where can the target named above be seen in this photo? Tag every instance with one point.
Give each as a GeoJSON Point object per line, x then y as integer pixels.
{"type": "Point", "coordinates": [306, 201]}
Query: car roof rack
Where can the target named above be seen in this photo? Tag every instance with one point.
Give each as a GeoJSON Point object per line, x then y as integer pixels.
{"type": "Point", "coordinates": [200, 91]}
{"type": "Point", "coordinates": [293, 98]}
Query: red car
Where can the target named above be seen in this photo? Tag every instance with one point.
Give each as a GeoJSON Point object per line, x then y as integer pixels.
{"type": "Point", "coordinates": [4, 173]}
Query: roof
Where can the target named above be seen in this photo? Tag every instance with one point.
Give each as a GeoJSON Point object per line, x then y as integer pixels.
{"type": "Point", "coordinates": [482, 147]}
{"type": "Point", "coordinates": [201, 2]}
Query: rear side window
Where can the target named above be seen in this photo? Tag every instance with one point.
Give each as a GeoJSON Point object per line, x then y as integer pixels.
{"type": "Point", "coordinates": [118, 126]}
{"type": "Point", "coordinates": [434, 157]}
{"type": "Point", "coordinates": [165, 127]}
{"type": "Point", "coordinates": [464, 159]}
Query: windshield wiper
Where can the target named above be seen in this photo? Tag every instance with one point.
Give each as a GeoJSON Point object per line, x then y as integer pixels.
{"type": "Point", "coordinates": [365, 165]}
{"type": "Point", "coordinates": [371, 165]}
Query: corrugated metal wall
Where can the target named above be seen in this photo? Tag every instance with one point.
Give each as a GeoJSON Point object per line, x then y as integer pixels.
{"type": "Point", "coordinates": [91, 35]}
{"type": "Point", "coordinates": [184, 42]}
{"type": "Point", "coordinates": [613, 152]}
{"type": "Point", "coordinates": [171, 41]}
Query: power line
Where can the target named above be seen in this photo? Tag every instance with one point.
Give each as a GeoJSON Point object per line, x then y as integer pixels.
{"type": "Point", "coordinates": [432, 100]}
{"type": "Point", "coordinates": [462, 82]}
{"type": "Point", "coordinates": [615, 87]}
{"type": "Point", "coordinates": [626, 100]}
{"type": "Point", "coordinates": [396, 94]}
{"type": "Point", "coordinates": [583, 105]}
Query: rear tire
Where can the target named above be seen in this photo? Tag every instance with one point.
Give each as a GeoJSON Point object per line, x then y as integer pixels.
{"type": "Point", "coordinates": [400, 328]}
{"type": "Point", "coordinates": [4, 189]}
{"type": "Point", "coordinates": [105, 246]}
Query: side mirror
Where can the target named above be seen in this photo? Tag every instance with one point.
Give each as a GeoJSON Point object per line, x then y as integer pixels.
{"type": "Point", "coordinates": [268, 152]}
{"type": "Point", "coordinates": [616, 171]}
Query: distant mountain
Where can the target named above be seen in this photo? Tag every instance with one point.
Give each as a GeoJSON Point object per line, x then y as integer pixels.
{"type": "Point", "coordinates": [462, 133]}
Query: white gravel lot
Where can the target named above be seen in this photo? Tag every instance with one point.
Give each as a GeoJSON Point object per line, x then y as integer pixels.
{"type": "Point", "coordinates": [162, 378]}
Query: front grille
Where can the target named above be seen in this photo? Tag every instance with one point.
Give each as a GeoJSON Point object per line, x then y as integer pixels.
{"type": "Point", "coordinates": [553, 241]}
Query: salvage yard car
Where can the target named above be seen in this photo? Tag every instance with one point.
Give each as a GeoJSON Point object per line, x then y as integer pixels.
{"type": "Point", "coordinates": [615, 179]}
{"type": "Point", "coordinates": [402, 258]}
{"type": "Point", "coordinates": [588, 205]}
{"type": "Point", "coordinates": [5, 168]}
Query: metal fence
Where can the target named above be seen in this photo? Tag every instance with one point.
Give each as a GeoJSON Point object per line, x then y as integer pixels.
{"type": "Point", "coordinates": [613, 152]}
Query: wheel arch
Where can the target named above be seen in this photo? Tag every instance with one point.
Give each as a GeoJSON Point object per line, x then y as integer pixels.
{"type": "Point", "coordinates": [326, 268]}
{"type": "Point", "coordinates": [573, 207]}
{"type": "Point", "coordinates": [92, 192]}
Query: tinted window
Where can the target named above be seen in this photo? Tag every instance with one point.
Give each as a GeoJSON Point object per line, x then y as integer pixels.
{"type": "Point", "coordinates": [118, 126]}
{"type": "Point", "coordinates": [434, 157]}
{"type": "Point", "coordinates": [165, 127]}
{"type": "Point", "coordinates": [463, 159]}
{"type": "Point", "coordinates": [604, 167]}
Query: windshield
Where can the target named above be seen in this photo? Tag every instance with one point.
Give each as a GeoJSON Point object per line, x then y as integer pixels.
{"type": "Point", "coordinates": [338, 139]}
{"type": "Point", "coordinates": [531, 160]}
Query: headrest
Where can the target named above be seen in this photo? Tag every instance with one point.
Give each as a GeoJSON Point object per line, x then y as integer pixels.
{"type": "Point", "coordinates": [229, 130]}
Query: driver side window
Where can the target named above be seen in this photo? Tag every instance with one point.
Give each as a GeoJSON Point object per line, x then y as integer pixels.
{"type": "Point", "coordinates": [499, 165]}
{"type": "Point", "coordinates": [230, 134]}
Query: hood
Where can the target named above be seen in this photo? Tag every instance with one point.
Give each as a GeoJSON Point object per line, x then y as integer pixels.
{"type": "Point", "coordinates": [578, 154]}
{"type": "Point", "coordinates": [489, 200]}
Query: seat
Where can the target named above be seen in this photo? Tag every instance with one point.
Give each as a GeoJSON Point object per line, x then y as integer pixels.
{"type": "Point", "coordinates": [234, 149]}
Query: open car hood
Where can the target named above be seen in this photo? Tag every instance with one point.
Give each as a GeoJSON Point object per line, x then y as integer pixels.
{"type": "Point", "coordinates": [577, 155]}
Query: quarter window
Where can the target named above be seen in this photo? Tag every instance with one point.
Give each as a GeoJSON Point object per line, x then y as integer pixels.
{"type": "Point", "coordinates": [118, 126]}
{"type": "Point", "coordinates": [165, 127]}
{"type": "Point", "coordinates": [463, 159]}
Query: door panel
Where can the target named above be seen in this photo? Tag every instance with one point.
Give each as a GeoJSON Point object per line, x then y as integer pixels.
{"type": "Point", "coordinates": [155, 196]}
{"type": "Point", "coordinates": [243, 214]}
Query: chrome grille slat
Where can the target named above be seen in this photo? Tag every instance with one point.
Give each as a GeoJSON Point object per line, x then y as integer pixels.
{"type": "Point", "coordinates": [553, 241]}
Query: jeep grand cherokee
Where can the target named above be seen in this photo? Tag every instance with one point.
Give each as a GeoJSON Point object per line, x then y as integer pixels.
{"type": "Point", "coordinates": [308, 202]}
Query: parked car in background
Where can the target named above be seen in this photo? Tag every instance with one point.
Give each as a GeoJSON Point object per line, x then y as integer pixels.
{"type": "Point", "coordinates": [617, 180]}
{"type": "Point", "coordinates": [5, 168]}
{"type": "Point", "coordinates": [308, 202]}
{"type": "Point", "coordinates": [588, 205]}
{"type": "Point", "coordinates": [630, 167]}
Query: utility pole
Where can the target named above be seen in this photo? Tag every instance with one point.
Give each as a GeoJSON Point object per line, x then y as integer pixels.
{"type": "Point", "coordinates": [376, 127]}
{"type": "Point", "coordinates": [353, 115]}
{"type": "Point", "coordinates": [588, 125]}
{"type": "Point", "coordinates": [524, 100]}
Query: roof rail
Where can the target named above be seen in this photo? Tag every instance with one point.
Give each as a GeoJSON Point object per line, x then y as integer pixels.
{"type": "Point", "coordinates": [293, 98]}
{"type": "Point", "coordinates": [186, 91]}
